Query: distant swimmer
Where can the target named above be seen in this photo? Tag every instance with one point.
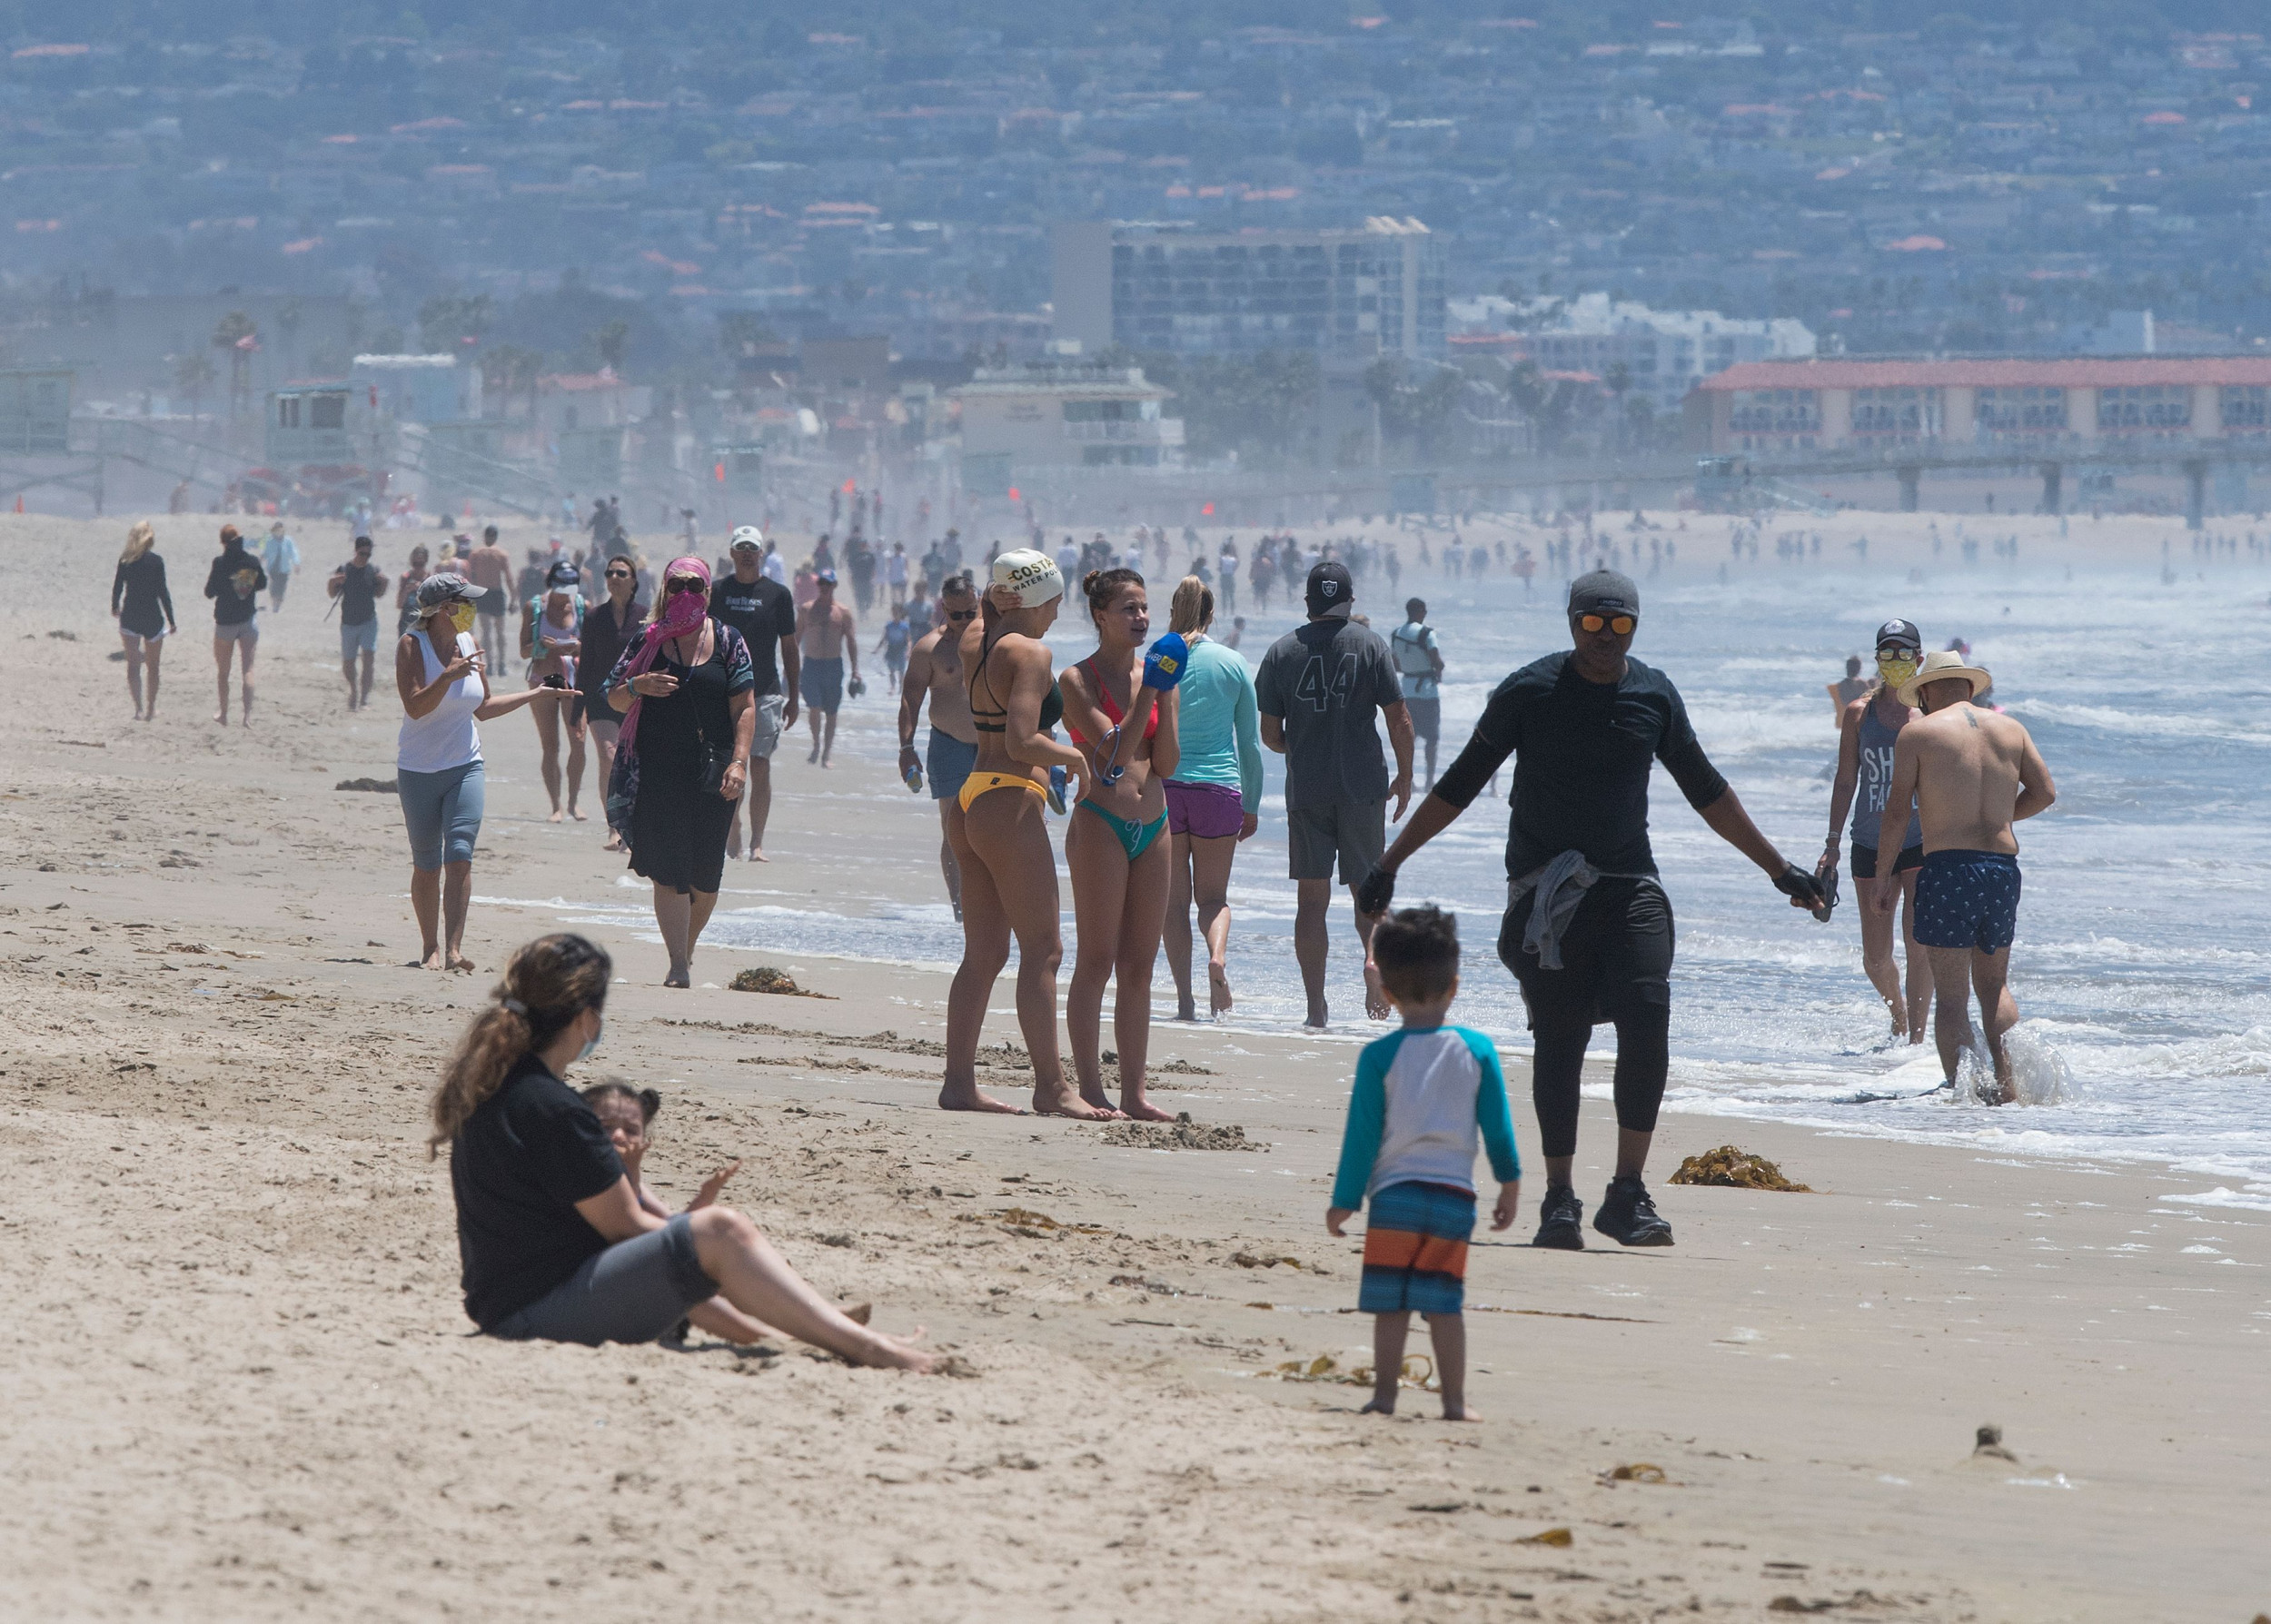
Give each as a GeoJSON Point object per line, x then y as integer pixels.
{"type": "Point", "coordinates": [1588, 932]}
{"type": "Point", "coordinates": [1866, 736]}
{"type": "Point", "coordinates": [1843, 694]}
{"type": "Point", "coordinates": [1972, 773]}
{"type": "Point", "coordinates": [934, 673]}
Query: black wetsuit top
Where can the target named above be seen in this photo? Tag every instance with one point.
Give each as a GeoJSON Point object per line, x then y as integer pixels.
{"type": "Point", "coordinates": [1582, 752]}
{"type": "Point", "coordinates": [1052, 702]}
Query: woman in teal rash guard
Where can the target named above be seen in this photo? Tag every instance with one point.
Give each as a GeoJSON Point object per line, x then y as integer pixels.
{"type": "Point", "coordinates": [1213, 798]}
{"type": "Point", "coordinates": [1118, 848]}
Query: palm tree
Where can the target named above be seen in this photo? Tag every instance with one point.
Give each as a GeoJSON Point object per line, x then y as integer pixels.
{"type": "Point", "coordinates": [193, 375]}
{"type": "Point", "coordinates": [235, 333]}
{"type": "Point", "coordinates": [610, 341]}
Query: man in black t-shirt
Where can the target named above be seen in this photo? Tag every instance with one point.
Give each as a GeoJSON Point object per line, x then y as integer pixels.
{"type": "Point", "coordinates": [1588, 931]}
{"type": "Point", "coordinates": [358, 585]}
{"type": "Point", "coordinates": [765, 613]}
{"type": "Point", "coordinates": [1317, 691]}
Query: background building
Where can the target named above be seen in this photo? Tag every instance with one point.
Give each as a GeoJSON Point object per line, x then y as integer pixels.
{"type": "Point", "coordinates": [1344, 295]}
{"type": "Point", "coordinates": [2029, 404]}
{"type": "Point", "coordinates": [1664, 352]}
{"type": "Point", "coordinates": [1061, 414]}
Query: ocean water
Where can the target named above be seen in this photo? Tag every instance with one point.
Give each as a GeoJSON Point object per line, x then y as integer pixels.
{"type": "Point", "coordinates": [2143, 966]}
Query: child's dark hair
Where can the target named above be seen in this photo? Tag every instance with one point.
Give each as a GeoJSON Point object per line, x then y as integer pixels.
{"type": "Point", "coordinates": [1417, 950]}
{"type": "Point", "coordinates": [647, 1101]}
{"type": "Point", "coordinates": [1102, 585]}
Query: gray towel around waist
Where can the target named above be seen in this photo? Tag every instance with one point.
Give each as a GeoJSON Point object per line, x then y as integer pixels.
{"type": "Point", "coordinates": [1560, 885]}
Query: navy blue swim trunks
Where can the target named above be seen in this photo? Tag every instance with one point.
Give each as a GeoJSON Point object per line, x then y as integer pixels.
{"type": "Point", "coordinates": [1967, 900]}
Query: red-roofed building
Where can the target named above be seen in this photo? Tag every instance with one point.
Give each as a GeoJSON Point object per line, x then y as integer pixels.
{"type": "Point", "coordinates": [1808, 405]}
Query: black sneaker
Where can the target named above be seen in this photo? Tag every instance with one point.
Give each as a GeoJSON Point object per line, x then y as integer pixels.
{"type": "Point", "coordinates": [1561, 1220]}
{"type": "Point", "coordinates": [1629, 1217]}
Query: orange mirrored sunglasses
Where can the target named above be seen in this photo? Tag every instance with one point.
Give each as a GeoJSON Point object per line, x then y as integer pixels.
{"type": "Point", "coordinates": [1621, 624]}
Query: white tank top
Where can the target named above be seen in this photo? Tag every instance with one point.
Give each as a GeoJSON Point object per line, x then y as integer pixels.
{"type": "Point", "coordinates": [445, 737]}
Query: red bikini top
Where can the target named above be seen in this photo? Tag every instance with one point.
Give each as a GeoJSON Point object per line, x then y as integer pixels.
{"type": "Point", "coordinates": [1111, 706]}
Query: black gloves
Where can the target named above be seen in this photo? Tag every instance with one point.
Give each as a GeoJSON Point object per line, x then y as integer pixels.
{"type": "Point", "coordinates": [1376, 892]}
{"type": "Point", "coordinates": [1806, 890]}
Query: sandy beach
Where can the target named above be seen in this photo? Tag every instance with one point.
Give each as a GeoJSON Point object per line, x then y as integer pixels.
{"type": "Point", "coordinates": [243, 1387]}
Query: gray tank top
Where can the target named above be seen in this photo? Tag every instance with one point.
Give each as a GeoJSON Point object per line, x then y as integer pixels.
{"type": "Point", "coordinates": [1868, 806]}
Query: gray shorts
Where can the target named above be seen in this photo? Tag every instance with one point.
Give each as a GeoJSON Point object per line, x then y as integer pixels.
{"type": "Point", "coordinates": [766, 737]}
{"type": "Point", "coordinates": [1427, 718]}
{"type": "Point", "coordinates": [361, 639]}
{"type": "Point", "coordinates": [1355, 831]}
{"type": "Point", "coordinates": [634, 1292]}
{"type": "Point", "coordinates": [243, 632]}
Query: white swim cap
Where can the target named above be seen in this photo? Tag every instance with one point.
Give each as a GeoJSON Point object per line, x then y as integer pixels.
{"type": "Point", "coordinates": [1032, 578]}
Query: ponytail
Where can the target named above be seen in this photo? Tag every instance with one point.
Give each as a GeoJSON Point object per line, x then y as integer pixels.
{"type": "Point", "coordinates": [1192, 609]}
{"type": "Point", "coordinates": [548, 983]}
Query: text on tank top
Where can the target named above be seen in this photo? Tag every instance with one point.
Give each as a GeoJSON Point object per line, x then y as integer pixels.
{"type": "Point", "coordinates": [1877, 741]}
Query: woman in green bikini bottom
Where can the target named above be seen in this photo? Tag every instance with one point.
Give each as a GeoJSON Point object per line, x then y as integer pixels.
{"type": "Point", "coordinates": [1009, 871]}
{"type": "Point", "coordinates": [1118, 848]}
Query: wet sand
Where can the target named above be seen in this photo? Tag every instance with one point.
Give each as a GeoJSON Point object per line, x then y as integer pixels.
{"type": "Point", "coordinates": [243, 1386]}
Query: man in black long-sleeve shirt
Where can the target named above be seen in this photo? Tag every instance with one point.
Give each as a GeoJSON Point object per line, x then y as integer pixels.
{"type": "Point", "coordinates": [1587, 930]}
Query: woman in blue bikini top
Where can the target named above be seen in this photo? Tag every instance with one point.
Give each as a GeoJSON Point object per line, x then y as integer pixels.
{"type": "Point", "coordinates": [1116, 848]}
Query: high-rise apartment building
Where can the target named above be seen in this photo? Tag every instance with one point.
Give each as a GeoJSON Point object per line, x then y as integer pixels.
{"type": "Point", "coordinates": [1348, 296]}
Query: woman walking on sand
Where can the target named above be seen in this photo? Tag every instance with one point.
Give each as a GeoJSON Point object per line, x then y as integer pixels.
{"type": "Point", "coordinates": [143, 609]}
{"type": "Point", "coordinates": [1212, 798]}
{"type": "Point", "coordinates": [1116, 847]}
{"type": "Point", "coordinates": [1009, 871]}
{"type": "Point", "coordinates": [609, 629]}
{"type": "Point", "coordinates": [555, 1244]}
{"type": "Point", "coordinates": [438, 768]}
{"type": "Point", "coordinates": [551, 641]}
{"type": "Point", "coordinates": [234, 585]}
{"type": "Point", "coordinates": [406, 590]}
{"type": "Point", "coordinates": [686, 695]}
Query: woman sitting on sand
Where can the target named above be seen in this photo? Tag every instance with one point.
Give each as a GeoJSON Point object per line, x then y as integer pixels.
{"type": "Point", "coordinates": [1008, 872]}
{"type": "Point", "coordinates": [1117, 846]}
{"type": "Point", "coordinates": [438, 768]}
{"type": "Point", "coordinates": [627, 1113]}
{"type": "Point", "coordinates": [554, 1241]}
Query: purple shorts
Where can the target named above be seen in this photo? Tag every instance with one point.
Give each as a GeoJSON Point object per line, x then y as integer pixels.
{"type": "Point", "coordinates": [1203, 811]}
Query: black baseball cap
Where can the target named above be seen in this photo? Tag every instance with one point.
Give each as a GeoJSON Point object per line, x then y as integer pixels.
{"type": "Point", "coordinates": [1605, 592]}
{"type": "Point", "coordinates": [1331, 587]}
{"type": "Point", "coordinates": [1902, 633]}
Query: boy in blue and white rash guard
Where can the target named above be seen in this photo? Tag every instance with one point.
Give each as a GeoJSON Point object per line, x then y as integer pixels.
{"type": "Point", "coordinates": [1424, 1098]}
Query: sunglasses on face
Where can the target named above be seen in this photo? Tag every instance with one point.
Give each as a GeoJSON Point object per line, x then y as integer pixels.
{"type": "Point", "coordinates": [960, 615]}
{"type": "Point", "coordinates": [619, 575]}
{"type": "Point", "coordinates": [684, 583]}
{"type": "Point", "coordinates": [1621, 624]}
{"type": "Point", "coordinates": [1895, 652]}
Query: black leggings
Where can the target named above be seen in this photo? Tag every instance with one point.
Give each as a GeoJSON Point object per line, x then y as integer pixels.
{"type": "Point", "coordinates": [1643, 1056]}
{"type": "Point", "coordinates": [1616, 958]}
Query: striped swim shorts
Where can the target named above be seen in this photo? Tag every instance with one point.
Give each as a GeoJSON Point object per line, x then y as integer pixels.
{"type": "Point", "coordinates": [1416, 1249]}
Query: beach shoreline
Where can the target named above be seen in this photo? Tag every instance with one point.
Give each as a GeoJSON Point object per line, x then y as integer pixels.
{"type": "Point", "coordinates": [245, 1388]}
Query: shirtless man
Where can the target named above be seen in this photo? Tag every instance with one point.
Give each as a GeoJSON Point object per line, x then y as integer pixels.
{"type": "Point", "coordinates": [490, 568]}
{"type": "Point", "coordinates": [824, 643]}
{"type": "Point", "coordinates": [934, 669]}
{"type": "Point", "coordinates": [1972, 773]}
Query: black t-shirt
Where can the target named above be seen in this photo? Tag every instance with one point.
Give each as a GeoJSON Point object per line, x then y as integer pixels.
{"type": "Point", "coordinates": [763, 611]}
{"type": "Point", "coordinates": [1325, 680]}
{"type": "Point", "coordinates": [360, 590]}
{"type": "Point", "coordinates": [1582, 753]}
{"type": "Point", "coordinates": [604, 640]}
{"type": "Point", "coordinates": [519, 1167]}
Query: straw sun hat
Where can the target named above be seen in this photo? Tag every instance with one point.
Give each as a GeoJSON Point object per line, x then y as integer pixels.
{"type": "Point", "coordinates": [1943, 666]}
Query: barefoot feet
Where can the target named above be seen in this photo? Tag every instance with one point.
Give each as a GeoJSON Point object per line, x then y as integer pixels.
{"type": "Point", "coordinates": [1219, 1001]}
{"type": "Point", "coordinates": [968, 1096]}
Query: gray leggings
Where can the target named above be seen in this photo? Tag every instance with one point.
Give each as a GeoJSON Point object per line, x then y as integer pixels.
{"type": "Point", "coordinates": [634, 1292]}
{"type": "Point", "coordinates": [443, 813]}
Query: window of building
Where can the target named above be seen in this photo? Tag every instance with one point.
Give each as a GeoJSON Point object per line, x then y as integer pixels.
{"type": "Point", "coordinates": [1775, 411]}
{"type": "Point", "coordinates": [1914, 413]}
{"type": "Point", "coordinates": [2145, 406]}
{"type": "Point", "coordinates": [2035, 409]}
{"type": "Point", "coordinates": [328, 411]}
{"type": "Point", "coordinates": [2246, 406]}
{"type": "Point", "coordinates": [288, 412]}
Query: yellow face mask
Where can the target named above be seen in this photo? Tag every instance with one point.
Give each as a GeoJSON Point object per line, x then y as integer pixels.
{"type": "Point", "coordinates": [1896, 671]}
{"type": "Point", "coordinates": [461, 617]}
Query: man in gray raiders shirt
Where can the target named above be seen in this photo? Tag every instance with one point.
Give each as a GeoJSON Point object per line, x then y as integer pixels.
{"type": "Point", "coordinates": [1317, 690]}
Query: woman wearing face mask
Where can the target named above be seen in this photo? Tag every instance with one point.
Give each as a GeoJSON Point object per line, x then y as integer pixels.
{"type": "Point", "coordinates": [438, 768]}
{"type": "Point", "coordinates": [554, 1241]}
{"type": "Point", "coordinates": [686, 693]}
